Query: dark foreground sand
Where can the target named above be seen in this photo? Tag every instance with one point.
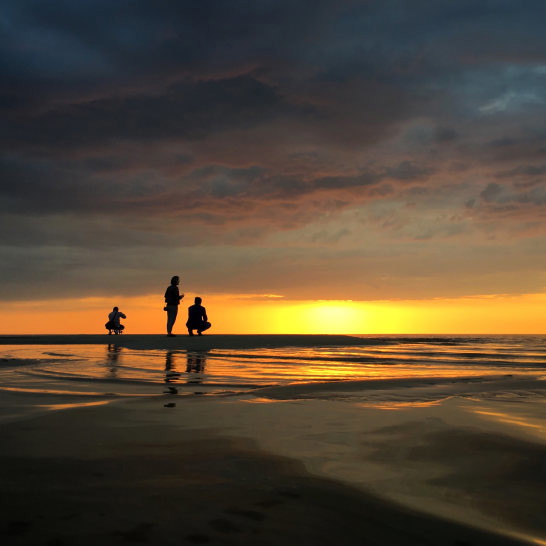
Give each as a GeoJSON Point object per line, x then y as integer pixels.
{"type": "Point", "coordinates": [108, 475]}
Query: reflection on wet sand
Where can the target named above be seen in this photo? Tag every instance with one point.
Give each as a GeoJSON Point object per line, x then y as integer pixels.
{"type": "Point", "coordinates": [112, 360]}
{"type": "Point", "coordinates": [195, 367]}
{"type": "Point", "coordinates": [171, 375]}
{"type": "Point", "coordinates": [195, 364]}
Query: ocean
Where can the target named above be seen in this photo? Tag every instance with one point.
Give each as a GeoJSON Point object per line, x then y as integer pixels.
{"type": "Point", "coordinates": [109, 371]}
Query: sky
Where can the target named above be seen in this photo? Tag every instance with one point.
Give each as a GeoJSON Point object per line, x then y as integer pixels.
{"type": "Point", "coordinates": [380, 164]}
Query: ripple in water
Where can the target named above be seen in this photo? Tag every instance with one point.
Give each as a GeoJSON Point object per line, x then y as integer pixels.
{"type": "Point", "coordinates": [110, 370]}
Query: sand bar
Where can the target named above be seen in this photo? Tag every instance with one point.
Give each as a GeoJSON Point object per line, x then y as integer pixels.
{"type": "Point", "coordinates": [211, 341]}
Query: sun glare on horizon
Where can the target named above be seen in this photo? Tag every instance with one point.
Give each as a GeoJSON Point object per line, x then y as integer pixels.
{"type": "Point", "coordinates": [234, 314]}
{"type": "Point", "coordinates": [333, 317]}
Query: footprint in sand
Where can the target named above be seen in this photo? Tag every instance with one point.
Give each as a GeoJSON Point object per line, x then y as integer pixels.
{"type": "Point", "coordinates": [222, 525]}
{"type": "Point", "coordinates": [253, 515]}
{"type": "Point", "coordinates": [197, 538]}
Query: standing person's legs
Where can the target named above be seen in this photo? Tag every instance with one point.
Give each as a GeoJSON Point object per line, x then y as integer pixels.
{"type": "Point", "coordinates": [172, 311]}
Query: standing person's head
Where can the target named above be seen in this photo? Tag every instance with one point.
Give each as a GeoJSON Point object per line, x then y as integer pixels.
{"type": "Point", "coordinates": [175, 279]}
{"type": "Point", "coordinates": [115, 309]}
{"type": "Point", "coordinates": [198, 300]}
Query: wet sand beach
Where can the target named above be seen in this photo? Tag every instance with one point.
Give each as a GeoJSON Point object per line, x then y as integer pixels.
{"type": "Point", "coordinates": [122, 475]}
{"type": "Point", "coordinates": [446, 460]}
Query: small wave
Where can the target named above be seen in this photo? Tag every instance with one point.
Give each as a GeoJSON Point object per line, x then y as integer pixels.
{"type": "Point", "coordinates": [120, 369]}
{"type": "Point", "coordinates": [425, 389]}
{"type": "Point", "coordinates": [17, 362]}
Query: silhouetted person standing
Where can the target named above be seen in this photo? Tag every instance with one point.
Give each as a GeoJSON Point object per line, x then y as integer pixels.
{"type": "Point", "coordinates": [172, 301]}
{"type": "Point", "coordinates": [197, 318]}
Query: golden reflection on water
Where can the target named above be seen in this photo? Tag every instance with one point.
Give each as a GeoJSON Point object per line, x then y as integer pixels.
{"type": "Point", "coordinates": [348, 363]}
{"type": "Point", "coordinates": [260, 371]}
{"type": "Point", "coordinates": [58, 407]}
{"type": "Point", "coordinates": [402, 405]}
{"type": "Point", "coordinates": [263, 400]}
{"type": "Point", "coordinates": [510, 419]}
{"type": "Point", "coordinates": [535, 540]}
{"type": "Point", "coordinates": [43, 368]}
{"type": "Point", "coordinates": [41, 390]}
{"type": "Point", "coordinates": [195, 364]}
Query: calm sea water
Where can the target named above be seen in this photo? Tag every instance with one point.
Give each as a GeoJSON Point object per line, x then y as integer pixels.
{"type": "Point", "coordinates": [112, 371]}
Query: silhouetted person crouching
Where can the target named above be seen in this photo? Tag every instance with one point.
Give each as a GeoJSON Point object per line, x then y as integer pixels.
{"type": "Point", "coordinates": [197, 318]}
{"type": "Point", "coordinates": [113, 324]}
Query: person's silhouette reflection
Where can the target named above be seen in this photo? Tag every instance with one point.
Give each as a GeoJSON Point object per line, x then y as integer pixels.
{"type": "Point", "coordinates": [195, 364]}
{"type": "Point", "coordinates": [171, 375]}
{"type": "Point", "coordinates": [112, 359]}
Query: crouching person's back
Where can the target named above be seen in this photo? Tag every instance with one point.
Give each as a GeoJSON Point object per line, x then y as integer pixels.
{"type": "Point", "coordinates": [197, 318]}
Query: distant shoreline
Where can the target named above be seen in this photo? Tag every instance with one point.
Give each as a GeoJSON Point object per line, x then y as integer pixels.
{"type": "Point", "coordinates": [161, 341]}
{"type": "Point", "coordinates": [232, 341]}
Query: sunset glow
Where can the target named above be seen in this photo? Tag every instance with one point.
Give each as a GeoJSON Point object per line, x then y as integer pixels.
{"type": "Point", "coordinates": [380, 168]}
{"type": "Point", "coordinates": [235, 314]}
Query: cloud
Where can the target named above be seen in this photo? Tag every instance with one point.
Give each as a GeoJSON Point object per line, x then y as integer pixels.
{"type": "Point", "coordinates": [524, 171]}
{"type": "Point", "coordinates": [271, 137]}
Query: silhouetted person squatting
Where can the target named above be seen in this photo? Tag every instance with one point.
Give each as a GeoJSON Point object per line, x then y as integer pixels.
{"type": "Point", "coordinates": [113, 323]}
{"type": "Point", "coordinates": [172, 301]}
{"type": "Point", "coordinates": [197, 318]}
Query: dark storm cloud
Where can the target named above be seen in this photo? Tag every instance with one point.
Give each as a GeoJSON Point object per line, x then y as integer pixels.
{"type": "Point", "coordinates": [409, 170]}
{"type": "Point", "coordinates": [230, 121]}
{"type": "Point", "coordinates": [182, 112]}
{"type": "Point", "coordinates": [524, 171]}
{"type": "Point", "coordinates": [66, 49]}
{"type": "Point", "coordinates": [502, 195]}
